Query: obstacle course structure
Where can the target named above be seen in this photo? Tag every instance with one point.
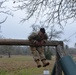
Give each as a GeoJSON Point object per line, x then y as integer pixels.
{"type": "Point", "coordinates": [66, 62]}
{"type": "Point", "coordinates": [63, 61]}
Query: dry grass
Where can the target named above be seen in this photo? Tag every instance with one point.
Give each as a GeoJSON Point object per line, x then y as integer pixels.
{"type": "Point", "coordinates": [21, 65]}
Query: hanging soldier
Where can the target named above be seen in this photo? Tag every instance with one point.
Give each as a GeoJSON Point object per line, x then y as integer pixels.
{"type": "Point", "coordinates": [38, 39]}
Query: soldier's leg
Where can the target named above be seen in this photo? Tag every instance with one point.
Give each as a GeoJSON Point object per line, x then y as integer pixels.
{"type": "Point", "coordinates": [41, 53]}
{"type": "Point", "coordinates": [36, 56]}
{"type": "Point", "coordinates": [42, 56]}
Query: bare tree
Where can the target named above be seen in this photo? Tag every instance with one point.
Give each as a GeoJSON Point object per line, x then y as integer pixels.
{"type": "Point", "coordinates": [48, 11]}
{"type": "Point", "coordinates": [4, 10]}
{"type": "Point", "coordinates": [54, 34]}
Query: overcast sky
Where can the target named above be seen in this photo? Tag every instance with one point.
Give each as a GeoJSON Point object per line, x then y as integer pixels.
{"type": "Point", "coordinates": [15, 30]}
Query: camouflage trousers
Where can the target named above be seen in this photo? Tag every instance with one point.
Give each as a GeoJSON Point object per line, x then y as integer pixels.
{"type": "Point", "coordinates": [38, 53]}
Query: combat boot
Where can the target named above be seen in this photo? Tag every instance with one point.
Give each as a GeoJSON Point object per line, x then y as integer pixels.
{"type": "Point", "coordinates": [45, 63]}
{"type": "Point", "coordinates": [38, 63]}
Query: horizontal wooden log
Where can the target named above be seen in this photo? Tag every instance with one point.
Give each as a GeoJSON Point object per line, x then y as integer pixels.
{"type": "Point", "coordinates": [27, 43]}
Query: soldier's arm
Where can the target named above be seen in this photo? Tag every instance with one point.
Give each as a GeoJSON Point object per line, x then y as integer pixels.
{"type": "Point", "coordinates": [31, 37]}
{"type": "Point", "coordinates": [45, 39]}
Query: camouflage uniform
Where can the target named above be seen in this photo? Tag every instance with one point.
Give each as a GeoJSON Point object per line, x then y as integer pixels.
{"type": "Point", "coordinates": [37, 51]}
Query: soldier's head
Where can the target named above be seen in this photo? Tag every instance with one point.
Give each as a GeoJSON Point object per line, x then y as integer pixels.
{"type": "Point", "coordinates": [42, 31]}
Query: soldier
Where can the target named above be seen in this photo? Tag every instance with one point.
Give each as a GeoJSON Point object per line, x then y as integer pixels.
{"type": "Point", "coordinates": [37, 40]}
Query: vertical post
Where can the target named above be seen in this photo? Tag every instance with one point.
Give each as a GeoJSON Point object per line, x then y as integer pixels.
{"type": "Point", "coordinates": [58, 67]}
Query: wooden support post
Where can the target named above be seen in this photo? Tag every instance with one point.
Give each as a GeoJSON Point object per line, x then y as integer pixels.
{"type": "Point", "coordinates": [58, 67]}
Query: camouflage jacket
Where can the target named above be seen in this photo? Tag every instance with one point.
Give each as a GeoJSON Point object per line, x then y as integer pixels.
{"type": "Point", "coordinates": [35, 36]}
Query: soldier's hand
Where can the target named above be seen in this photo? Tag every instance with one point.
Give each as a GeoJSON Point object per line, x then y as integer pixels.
{"type": "Point", "coordinates": [35, 42]}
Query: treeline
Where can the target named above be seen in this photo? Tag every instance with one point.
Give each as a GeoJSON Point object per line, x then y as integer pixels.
{"type": "Point", "coordinates": [14, 50]}
{"type": "Point", "coordinates": [21, 50]}
{"type": "Point", "coordinates": [25, 50]}
{"type": "Point", "coordinates": [71, 51]}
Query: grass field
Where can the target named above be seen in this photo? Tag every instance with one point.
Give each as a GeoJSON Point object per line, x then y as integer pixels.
{"type": "Point", "coordinates": [21, 65]}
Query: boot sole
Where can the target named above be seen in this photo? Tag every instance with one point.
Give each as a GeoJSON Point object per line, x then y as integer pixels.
{"type": "Point", "coordinates": [39, 66]}
{"type": "Point", "coordinates": [46, 64]}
